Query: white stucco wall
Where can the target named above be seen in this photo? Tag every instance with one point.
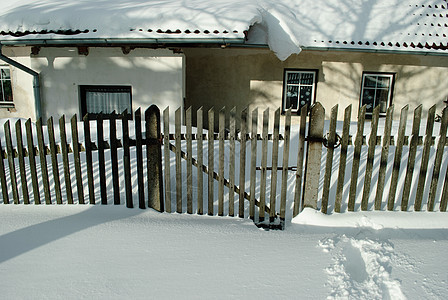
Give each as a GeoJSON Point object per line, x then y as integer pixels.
{"type": "Point", "coordinates": [156, 77]}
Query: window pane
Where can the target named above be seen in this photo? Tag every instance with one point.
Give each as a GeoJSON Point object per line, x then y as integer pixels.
{"type": "Point", "coordinates": [292, 97]}
{"type": "Point", "coordinates": [7, 90]}
{"type": "Point", "coordinates": [381, 99]}
{"type": "Point", "coordinates": [293, 78]}
{"type": "Point", "coordinates": [368, 99]}
{"type": "Point", "coordinates": [6, 74]}
{"type": "Point", "coordinates": [1, 92]}
{"type": "Point", "coordinates": [370, 81]}
{"type": "Point", "coordinates": [307, 78]}
{"type": "Point", "coordinates": [305, 95]}
{"type": "Point", "coordinates": [107, 102]}
{"type": "Point", "coordinates": [383, 82]}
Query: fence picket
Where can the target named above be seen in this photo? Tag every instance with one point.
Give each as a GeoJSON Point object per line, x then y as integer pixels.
{"type": "Point", "coordinates": [242, 162]}
{"type": "Point", "coordinates": [438, 160]}
{"type": "Point", "coordinates": [211, 146]}
{"type": "Point", "coordinates": [89, 163]}
{"type": "Point", "coordinates": [411, 158]}
{"type": "Point", "coordinates": [177, 124]}
{"type": "Point", "coordinates": [54, 160]}
{"type": "Point", "coordinates": [139, 152]}
{"type": "Point", "coordinates": [188, 137]}
{"type": "Point", "coordinates": [264, 162]}
{"type": "Point", "coordinates": [12, 167]}
{"type": "Point", "coordinates": [21, 154]}
{"type": "Point", "coordinates": [329, 160]}
{"type": "Point", "coordinates": [167, 161]}
{"type": "Point", "coordinates": [425, 158]}
{"type": "Point", "coordinates": [370, 158]}
{"type": "Point", "coordinates": [114, 157]}
{"type": "Point", "coordinates": [356, 158]}
{"type": "Point", "coordinates": [222, 120]}
{"type": "Point", "coordinates": [383, 159]}
{"type": "Point", "coordinates": [200, 150]}
{"type": "Point", "coordinates": [286, 142]}
{"type": "Point", "coordinates": [127, 160]}
{"type": "Point", "coordinates": [232, 162]}
{"type": "Point", "coordinates": [77, 159]}
{"type": "Point", "coordinates": [154, 158]}
{"type": "Point", "coordinates": [397, 158]}
{"type": "Point", "coordinates": [273, 195]}
{"type": "Point", "coordinates": [3, 177]}
{"type": "Point", "coordinates": [43, 160]}
{"type": "Point", "coordinates": [253, 162]}
{"type": "Point", "coordinates": [300, 156]}
{"type": "Point", "coordinates": [343, 158]}
{"type": "Point", "coordinates": [65, 161]}
{"type": "Point", "coordinates": [101, 160]}
{"type": "Point", "coordinates": [32, 161]}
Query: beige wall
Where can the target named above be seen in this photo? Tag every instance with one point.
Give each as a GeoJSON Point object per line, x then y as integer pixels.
{"type": "Point", "coordinates": [156, 77]}
{"type": "Point", "coordinates": [241, 77]}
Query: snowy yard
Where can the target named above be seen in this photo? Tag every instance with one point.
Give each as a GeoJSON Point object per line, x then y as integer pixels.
{"type": "Point", "coordinates": [73, 252]}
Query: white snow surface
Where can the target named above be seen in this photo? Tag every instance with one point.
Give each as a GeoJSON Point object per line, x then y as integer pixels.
{"type": "Point", "coordinates": [285, 25]}
{"type": "Point", "coordinates": [110, 252]}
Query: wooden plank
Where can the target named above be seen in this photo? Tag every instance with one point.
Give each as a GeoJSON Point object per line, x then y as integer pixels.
{"type": "Point", "coordinates": [65, 161]}
{"type": "Point", "coordinates": [32, 161]}
{"type": "Point", "coordinates": [222, 120]}
{"type": "Point", "coordinates": [329, 160]}
{"type": "Point", "coordinates": [285, 162]}
{"type": "Point", "coordinates": [101, 159]}
{"type": "Point", "coordinates": [200, 155]}
{"type": "Point", "coordinates": [397, 158]}
{"type": "Point", "coordinates": [370, 158]}
{"type": "Point", "coordinates": [154, 158]}
{"type": "Point", "coordinates": [383, 159]}
{"type": "Point", "coordinates": [167, 162]}
{"type": "Point", "coordinates": [264, 163]}
{"type": "Point", "coordinates": [232, 135]}
{"type": "Point", "coordinates": [242, 178]}
{"type": "Point", "coordinates": [356, 158]}
{"type": "Point", "coordinates": [139, 154]}
{"type": "Point", "coordinates": [438, 160]}
{"type": "Point", "coordinates": [411, 158]}
{"type": "Point", "coordinates": [127, 160]}
{"type": "Point", "coordinates": [177, 124]}
{"type": "Point", "coordinates": [54, 160]}
{"type": "Point", "coordinates": [21, 154]}
{"type": "Point", "coordinates": [188, 123]}
{"type": "Point", "coordinates": [253, 162]}
{"type": "Point", "coordinates": [425, 159]}
{"type": "Point", "coordinates": [12, 167]}
{"type": "Point", "coordinates": [3, 177]}
{"type": "Point", "coordinates": [89, 163]}
{"type": "Point", "coordinates": [273, 195]}
{"type": "Point", "coordinates": [114, 157]}
{"type": "Point", "coordinates": [300, 157]}
{"type": "Point", "coordinates": [210, 162]}
{"type": "Point", "coordinates": [43, 160]}
{"type": "Point", "coordinates": [343, 158]}
{"type": "Point", "coordinates": [77, 159]}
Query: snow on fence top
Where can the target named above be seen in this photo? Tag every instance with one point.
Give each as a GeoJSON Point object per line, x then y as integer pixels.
{"type": "Point", "coordinates": [286, 26]}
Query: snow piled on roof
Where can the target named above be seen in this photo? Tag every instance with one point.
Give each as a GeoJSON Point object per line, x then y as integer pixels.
{"type": "Point", "coordinates": [284, 25]}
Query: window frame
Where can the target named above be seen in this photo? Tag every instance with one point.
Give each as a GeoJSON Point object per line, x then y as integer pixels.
{"type": "Point", "coordinates": [286, 71]}
{"type": "Point", "coordinates": [3, 103]}
{"type": "Point", "coordinates": [83, 89]}
{"type": "Point", "coordinates": [390, 75]}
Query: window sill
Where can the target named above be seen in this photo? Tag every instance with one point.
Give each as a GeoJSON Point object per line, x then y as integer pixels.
{"type": "Point", "coordinates": [9, 106]}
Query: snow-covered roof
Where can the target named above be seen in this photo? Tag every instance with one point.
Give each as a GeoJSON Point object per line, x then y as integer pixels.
{"type": "Point", "coordinates": [286, 26]}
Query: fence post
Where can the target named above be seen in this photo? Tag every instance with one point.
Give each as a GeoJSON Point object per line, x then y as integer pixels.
{"type": "Point", "coordinates": [154, 158]}
{"type": "Point", "coordinates": [313, 155]}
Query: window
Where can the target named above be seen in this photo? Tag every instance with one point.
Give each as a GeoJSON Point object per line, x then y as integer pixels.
{"type": "Point", "coordinates": [105, 99]}
{"type": "Point", "coordinates": [5, 87]}
{"type": "Point", "coordinates": [377, 91]}
{"type": "Point", "coordinates": [299, 88]}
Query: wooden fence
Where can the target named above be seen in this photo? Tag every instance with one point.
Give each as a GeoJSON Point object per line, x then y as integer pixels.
{"type": "Point", "coordinates": [241, 165]}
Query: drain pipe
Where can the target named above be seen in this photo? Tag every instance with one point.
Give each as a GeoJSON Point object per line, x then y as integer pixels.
{"type": "Point", "coordinates": [36, 81]}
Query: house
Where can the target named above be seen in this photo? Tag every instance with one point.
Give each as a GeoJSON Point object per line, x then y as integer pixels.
{"type": "Point", "coordinates": [81, 56]}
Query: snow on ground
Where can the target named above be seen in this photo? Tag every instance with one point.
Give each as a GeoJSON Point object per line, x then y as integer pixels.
{"type": "Point", "coordinates": [110, 252]}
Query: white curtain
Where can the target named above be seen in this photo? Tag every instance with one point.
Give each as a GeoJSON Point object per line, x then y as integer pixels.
{"type": "Point", "coordinates": [107, 102]}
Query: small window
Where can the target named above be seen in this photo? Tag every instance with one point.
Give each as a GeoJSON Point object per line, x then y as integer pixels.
{"type": "Point", "coordinates": [299, 88]}
{"type": "Point", "coordinates": [376, 91]}
{"type": "Point", "coordinates": [6, 99]}
{"type": "Point", "coordinates": [105, 99]}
